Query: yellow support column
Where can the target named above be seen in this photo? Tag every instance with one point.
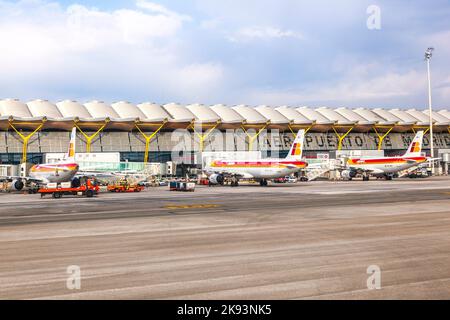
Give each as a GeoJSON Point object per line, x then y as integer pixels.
{"type": "Point", "coordinates": [203, 135]}
{"type": "Point", "coordinates": [295, 132]}
{"type": "Point", "coordinates": [426, 129]}
{"type": "Point", "coordinates": [91, 137]}
{"type": "Point", "coordinates": [251, 138]}
{"type": "Point", "coordinates": [26, 139]}
{"type": "Point", "coordinates": [381, 137]}
{"type": "Point", "coordinates": [341, 137]}
{"type": "Point", "coordinates": [148, 138]}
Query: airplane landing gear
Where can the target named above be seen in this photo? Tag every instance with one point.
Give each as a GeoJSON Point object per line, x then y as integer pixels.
{"type": "Point", "coordinates": [263, 183]}
{"type": "Point", "coordinates": [234, 182]}
{"type": "Point", "coordinates": [366, 177]}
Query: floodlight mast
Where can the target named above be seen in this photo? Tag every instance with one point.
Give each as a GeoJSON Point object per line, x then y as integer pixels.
{"type": "Point", "coordinates": [428, 55]}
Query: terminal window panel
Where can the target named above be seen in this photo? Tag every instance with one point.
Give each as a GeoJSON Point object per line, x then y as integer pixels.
{"type": "Point", "coordinates": [164, 141]}
{"type": "Point", "coordinates": [154, 143]}
{"type": "Point", "coordinates": [96, 145]}
{"type": "Point", "coordinates": [266, 140]}
{"type": "Point", "coordinates": [16, 158]}
{"type": "Point", "coordinates": [229, 140]}
{"type": "Point", "coordinates": [240, 140]}
{"type": "Point", "coordinates": [137, 142]}
{"type": "Point", "coordinates": [180, 140]}
{"type": "Point", "coordinates": [164, 156]}
{"type": "Point", "coordinates": [183, 141]}
{"type": "Point", "coordinates": [33, 144]}
{"type": "Point", "coordinates": [235, 140]}
{"type": "Point", "coordinates": [215, 141]}
{"type": "Point", "coordinates": [3, 147]}
{"type": "Point", "coordinates": [81, 142]}
{"type": "Point", "coordinates": [54, 141]}
{"type": "Point", "coordinates": [115, 141]}
{"type": "Point", "coordinates": [14, 142]}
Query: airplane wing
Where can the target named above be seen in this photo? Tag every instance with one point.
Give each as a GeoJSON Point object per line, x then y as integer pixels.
{"type": "Point", "coordinates": [241, 175]}
{"type": "Point", "coordinates": [360, 170]}
{"type": "Point", "coordinates": [410, 161]}
{"type": "Point", "coordinates": [94, 174]}
{"type": "Point", "coordinates": [292, 166]}
{"type": "Point", "coordinates": [28, 179]}
{"type": "Point", "coordinates": [246, 175]}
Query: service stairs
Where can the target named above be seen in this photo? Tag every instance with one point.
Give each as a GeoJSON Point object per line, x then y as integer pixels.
{"type": "Point", "coordinates": [317, 170]}
{"type": "Point", "coordinates": [406, 172]}
{"type": "Point", "coordinates": [314, 173]}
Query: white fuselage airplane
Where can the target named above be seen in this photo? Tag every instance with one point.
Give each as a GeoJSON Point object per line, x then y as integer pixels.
{"type": "Point", "coordinates": [261, 169]}
{"type": "Point", "coordinates": [63, 171]}
{"type": "Point", "coordinates": [387, 166]}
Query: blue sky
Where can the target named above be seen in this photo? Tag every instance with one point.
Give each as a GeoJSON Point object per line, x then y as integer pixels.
{"type": "Point", "coordinates": [252, 52]}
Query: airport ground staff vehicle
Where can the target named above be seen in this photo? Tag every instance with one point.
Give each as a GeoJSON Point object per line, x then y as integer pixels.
{"type": "Point", "coordinates": [125, 188]}
{"type": "Point", "coordinates": [181, 186]}
{"type": "Point", "coordinates": [123, 185]}
{"type": "Point", "coordinates": [87, 188]}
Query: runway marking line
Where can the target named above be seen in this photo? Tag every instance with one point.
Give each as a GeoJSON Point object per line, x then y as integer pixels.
{"type": "Point", "coordinates": [191, 206]}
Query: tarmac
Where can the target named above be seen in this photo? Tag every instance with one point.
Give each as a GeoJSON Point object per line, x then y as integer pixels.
{"type": "Point", "coordinates": [313, 240]}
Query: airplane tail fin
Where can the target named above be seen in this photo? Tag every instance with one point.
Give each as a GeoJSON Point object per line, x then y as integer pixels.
{"type": "Point", "coordinates": [415, 148]}
{"type": "Point", "coordinates": [296, 151]}
{"type": "Point", "coordinates": [70, 155]}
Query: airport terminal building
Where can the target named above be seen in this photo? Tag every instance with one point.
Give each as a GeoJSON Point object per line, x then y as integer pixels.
{"type": "Point", "coordinates": [150, 132]}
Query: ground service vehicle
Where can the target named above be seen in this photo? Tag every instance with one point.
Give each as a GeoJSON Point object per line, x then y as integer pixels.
{"type": "Point", "coordinates": [87, 188]}
{"type": "Point", "coordinates": [125, 188]}
{"type": "Point", "coordinates": [182, 186]}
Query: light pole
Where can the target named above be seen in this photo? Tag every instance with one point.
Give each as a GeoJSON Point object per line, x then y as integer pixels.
{"type": "Point", "coordinates": [428, 55]}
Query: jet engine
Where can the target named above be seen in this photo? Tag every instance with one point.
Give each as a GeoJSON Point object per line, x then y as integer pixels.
{"type": "Point", "coordinates": [216, 179]}
{"type": "Point", "coordinates": [348, 174]}
{"type": "Point", "coordinates": [17, 185]}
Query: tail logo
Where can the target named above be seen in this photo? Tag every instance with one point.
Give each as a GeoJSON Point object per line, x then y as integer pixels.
{"type": "Point", "coordinates": [296, 149]}
{"type": "Point", "coordinates": [71, 150]}
{"type": "Point", "coordinates": [415, 147]}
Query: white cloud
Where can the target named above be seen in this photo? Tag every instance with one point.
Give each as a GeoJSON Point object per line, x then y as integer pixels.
{"type": "Point", "coordinates": [96, 28]}
{"type": "Point", "coordinates": [443, 90]}
{"type": "Point", "coordinates": [440, 41]}
{"type": "Point", "coordinates": [352, 89]}
{"type": "Point", "coordinates": [148, 51]}
{"type": "Point", "coordinates": [157, 8]}
{"type": "Point", "coordinates": [263, 33]}
{"type": "Point", "coordinates": [125, 53]}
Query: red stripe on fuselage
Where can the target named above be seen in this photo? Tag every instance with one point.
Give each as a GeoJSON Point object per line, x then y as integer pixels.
{"type": "Point", "coordinates": [386, 160]}
{"type": "Point", "coordinates": [258, 164]}
{"type": "Point", "coordinates": [50, 166]}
